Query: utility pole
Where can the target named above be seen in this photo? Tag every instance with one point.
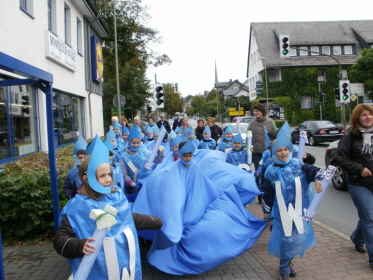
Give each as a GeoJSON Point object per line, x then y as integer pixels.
{"type": "Point", "coordinates": [116, 61]}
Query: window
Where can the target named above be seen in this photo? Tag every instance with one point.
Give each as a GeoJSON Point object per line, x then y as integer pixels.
{"type": "Point", "coordinates": [306, 102]}
{"type": "Point", "coordinates": [67, 20]}
{"type": "Point", "coordinates": [27, 6]}
{"type": "Point", "coordinates": [293, 52]}
{"type": "Point", "coordinates": [337, 50]}
{"type": "Point", "coordinates": [18, 122]}
{"type": "Point", "coordinates": [251, 58]}
{"type": "Point", "coordinates": [52, 16]}
{"type": "Point", "coordinates": [348, 49]}
{"type": "Point", "coordinates": [315, 49]}
{"type": "Point", "coordinates": [79, 39]}
{"type": "Point", "coordinates": [303, 53]}
{"type": "Point", "coordinates": [325, 49]}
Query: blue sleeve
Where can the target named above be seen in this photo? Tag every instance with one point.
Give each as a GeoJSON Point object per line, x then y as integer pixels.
{"type": "Point", "coordinates": [268, 196]}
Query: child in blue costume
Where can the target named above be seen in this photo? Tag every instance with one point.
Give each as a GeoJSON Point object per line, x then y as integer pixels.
{"type": "Point", "coordinates": [238, 155]}
{"type": "Point", "coordinates": [287, 185]}
{"type": "Point", "coordinates": [207, 142]}
{"type": "Point", "coordinates": [204, 225]}
{"type": "Point", "coordinates": [72, 181]}
{"type": "Point", "coordinates": [226, 142]}
{"type": "Point", "coordinates": [134, 158]}
{"type": "Point", "coordinates": [117, 131]}
{"type": "Point", "coordinates": [123, 144]}
{"type": "Point", "coordinates": [179, 131]}
{"type": "Point", "coordinates": [73, 239]}
{"type": "Point", "coordinates": [191, 137]}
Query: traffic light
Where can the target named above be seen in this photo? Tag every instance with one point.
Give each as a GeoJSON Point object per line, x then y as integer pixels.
{"type": "Point", "coordinates": [344, 91]}
{"type": "Point", "coordinates": [150, 105]}
{"type": "Point", "coordinates": [336, 91]}
{"type": "Point", "coordinates": [284, 46]}
{"type": "Point", "coordinates": [26, 103]}
{"type": "Point", "coordinates": [159, 96]}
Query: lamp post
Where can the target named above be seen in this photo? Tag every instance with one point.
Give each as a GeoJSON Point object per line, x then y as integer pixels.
{"type": "Point", "coordinates": [265, 70]}
{"type": "Point", "coordinates": [116, 61]}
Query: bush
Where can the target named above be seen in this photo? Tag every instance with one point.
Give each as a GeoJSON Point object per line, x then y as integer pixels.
{"type": "Point", "coordinates": [279, 124]}
{"type": "Point", "coordinates": [25, 194]}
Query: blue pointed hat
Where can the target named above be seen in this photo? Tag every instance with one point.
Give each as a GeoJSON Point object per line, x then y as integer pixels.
{"type": "Point", "coordinates": [267, 138]}
{"type": "Point", "coordinates": [178, 130]}
{"type": "Point", "coordinates": [81, 144]}
{"type": "Point", "coordinates": [187, 148]}
{"type": "Point", "coordinates": [190, 131]}
{"type": "Point", "coordinates": [282, 140]}
{"type": "Point", "coordinates": [176, 141]}
{"type": "Point", "coordinates": [207, 129]}
{"type": "Point", "coordinates": [111, 134]}
{"type": "Point", "coordinates": [134, 133]}
{"type": "Point", "coordinates": [155, 130]}
{"type": "Point", "coordinates": [108, 143]}
{"type": "Point", "coordinates": [91, 145]}
{"type": "Point", "coordinates": [237, 138]}
{"type": "Point", "coordinates": [148, 129]}
{"type": "Point", "coordinates": [228, 129]}
{"type": "Point", "coordinates": [171, 136]}
{"type": "Point", "coordinates": [100, 155]}
{"type": "Point", "coordinates": [116, 125]}
{"type": "Point", "coordinates": [286, 129]}
{"type": "Point", "coordinates": [125, 130]}
{"type": "Point", "coordinates": [183, 137]}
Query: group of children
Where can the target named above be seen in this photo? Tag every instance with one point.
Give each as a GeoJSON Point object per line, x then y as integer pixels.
{"type": "Point", "coordinates": [286, 182]}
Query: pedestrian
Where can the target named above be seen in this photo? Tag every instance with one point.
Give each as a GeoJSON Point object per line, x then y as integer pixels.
{"type": "Point", "coordinates": [185, 127]}
{"type": "Point", "coordinates": [287, 186]}
{"type": "Point", "coordinates": [207, 142]}
{"type": "Point", "coordinates": [226, 142]}
{"type": "Point", "coordinates": [124, 122]}
{"type": "Point", "coordinates": [72, 181]}
{"type": "Point", "coordinates": [239, 154]}
{"type": "Point", "coordinates": [354, 156]}
{"type": "Point", "coordinates": [216, 131]}
{"type": "Point", "coordinates": [258, 127]}
{"type": "Point", "coordinates": [199, 129]}
{"type": "Point", "coordinates": [165, 123]}
{"type": "Point", "coordinates": [177, 121]}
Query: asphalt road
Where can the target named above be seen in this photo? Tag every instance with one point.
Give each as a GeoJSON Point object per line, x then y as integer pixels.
{"type": "Point", "coordinates": [336, 209]}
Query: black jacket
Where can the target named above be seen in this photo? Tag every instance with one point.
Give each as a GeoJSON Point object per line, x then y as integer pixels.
{"type": "Point", "coordinates": [177, 123]}
{"type": "Point", "coordinates": [352, 160]}
{"type": "Point", "coordinates": [67, 245]}
{"type": "Point", "coordinates": [165, 124]}
{"type": "Point", "coordinates": [216, 132]}
{"type": "Point", "coordinates": [199, 132]}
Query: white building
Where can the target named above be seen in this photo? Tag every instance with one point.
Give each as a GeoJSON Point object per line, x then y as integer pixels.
{"type": "Point", "coordinates": [57, 37]}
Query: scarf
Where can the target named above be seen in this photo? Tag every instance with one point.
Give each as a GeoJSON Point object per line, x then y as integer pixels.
{"type": "Point", "coordinates": [367, 140]}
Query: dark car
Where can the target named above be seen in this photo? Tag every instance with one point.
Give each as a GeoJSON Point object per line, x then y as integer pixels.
{"type": "Point", "coordinates": [318, 131]}
{"type": "Point", "coordinates": [338, 180]}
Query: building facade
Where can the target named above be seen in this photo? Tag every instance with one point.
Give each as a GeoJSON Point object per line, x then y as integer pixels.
{"type": "Point", "coordinates": [62, 38]}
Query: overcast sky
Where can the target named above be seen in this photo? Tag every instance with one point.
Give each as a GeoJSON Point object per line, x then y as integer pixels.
{"type": "Point", "coordinates": [197, 33]}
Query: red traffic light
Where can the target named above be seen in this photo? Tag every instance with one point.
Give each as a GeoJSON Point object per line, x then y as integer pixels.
{"type": "Point", "coordinates": [158, 89]}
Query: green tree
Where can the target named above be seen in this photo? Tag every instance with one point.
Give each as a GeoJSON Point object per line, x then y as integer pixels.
{"type": "Point", "coordinates": [362, 71]}
{"type": "Point", "coordinates": [133, 38]}
{"type": "Point", "coordinates": [173, 100]}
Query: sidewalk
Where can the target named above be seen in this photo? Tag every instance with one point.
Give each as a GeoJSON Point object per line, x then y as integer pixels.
{"type": "Point", "coordinates": [333, 257]}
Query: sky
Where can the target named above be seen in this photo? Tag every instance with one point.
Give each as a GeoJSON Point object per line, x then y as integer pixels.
{"type": "Point", "coordinates": [197, 34]}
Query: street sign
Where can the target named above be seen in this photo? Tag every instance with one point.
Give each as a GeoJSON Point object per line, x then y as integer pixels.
{"type": "Point", "coordinates": [122, 101]}
{"type": "Point", "coordinates": [353, 97]}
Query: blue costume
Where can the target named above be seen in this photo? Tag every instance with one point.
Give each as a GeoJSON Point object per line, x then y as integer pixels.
{"type": "Point", "coordinates": [226, 142]}
{"type": "Point", "coordinates": [237, 157]}
{"type": "Point", "coordinates": [286, 181]}
{"type": "Point", "coordinates": [78, 211]}
{"type": "Point", "coordinates": [204, 225]}
{"type": "Point", "coordinates": [207, 142]}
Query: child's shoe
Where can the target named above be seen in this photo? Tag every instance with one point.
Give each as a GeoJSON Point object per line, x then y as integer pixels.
{"type": "Point", "coordinates": [292, 273]}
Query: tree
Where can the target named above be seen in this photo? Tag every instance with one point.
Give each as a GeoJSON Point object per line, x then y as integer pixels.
{"type": "Point", "coordinates": [133, 38]}
{"type": "Point", "coordinates": [362, 70]}
{"type": "Point", "coordinates": [173, 100]}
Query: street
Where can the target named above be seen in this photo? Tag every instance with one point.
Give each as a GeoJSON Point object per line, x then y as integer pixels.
{"type": "Point", "coordinates": [336, 209]}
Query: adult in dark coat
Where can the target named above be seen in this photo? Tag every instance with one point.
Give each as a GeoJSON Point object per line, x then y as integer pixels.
{"type": "Point", "coordinates": [165, 124]}
{"type": "Point", "coordinates": [177, 122]}
{"type": "Point", "coordinates": [199, 129]}
{"type": "Point", "coordinates": [216, 131]}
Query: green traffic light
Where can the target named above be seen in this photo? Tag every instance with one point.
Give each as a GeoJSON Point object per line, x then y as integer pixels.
{"type": "Point", "coordinates": [345, 97]}
{"type": "Point", "coordinates": [285, 52]}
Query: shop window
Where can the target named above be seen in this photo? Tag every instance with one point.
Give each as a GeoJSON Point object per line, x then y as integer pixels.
{"type": "Point", "coordinates": [306, 102]}
{"type": "Point", "coordinates": [67, 118]}
{"type": "Point", "coordinates": [18, 125]}
{"type": "Point", "coordinates": [27, 6]}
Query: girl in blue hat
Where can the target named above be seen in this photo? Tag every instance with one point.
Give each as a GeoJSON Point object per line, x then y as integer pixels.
{"type": "Point", "coordinates": [207, 142]}
{"type": "Point", "coordinates": [287, 191]}
{"type": "Point", "coordinates": [226, 143]}
{"type": "Point", "coordinates": [238, 155]}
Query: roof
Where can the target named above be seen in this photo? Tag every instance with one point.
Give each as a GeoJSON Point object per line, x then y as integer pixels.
{"type": "Point", "coordinates": [358, 33]}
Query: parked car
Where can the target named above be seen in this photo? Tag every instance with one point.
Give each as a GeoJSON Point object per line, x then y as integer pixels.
{"type": "Point", "coordinates": [192, 123]}
{"type": "Point", "coordinates": [318, 131]}
{"type": "Point", "coordinates": [338, 180]}
{"type": "Point", "coordinates": [243, 119]}
{"type": "Point", "coordinates": [243, 127]}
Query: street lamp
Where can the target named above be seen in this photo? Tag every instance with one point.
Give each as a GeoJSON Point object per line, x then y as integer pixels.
{"type": "Point", "coordinates": [265, 70]}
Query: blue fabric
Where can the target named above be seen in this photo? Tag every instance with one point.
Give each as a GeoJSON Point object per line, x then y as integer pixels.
{"type": "Point", "coordinates": [237, 157]}
{"type": "Point", "coordinates": [139, 160]}
{"type": "Point", "coordinates": [118, 178]}
{"type": "Point", "coordinates": [279, 245]}
{"type": "Point", "coordinates": [77, 211]}
{"type": "Point", "coordinates": [363, 234]}
{"type": "Point", "coordinates": [224, 145]}
{"type": "Point", "coordinates": [207, 144]}
{"type": "Point", "coordinates": [284, 266]}
{"type": "Point", "coordinates": [204, 225]}
{"type": "Point", "coordinates": [74, 176]}
{"type": "Point", "coordinates": [81, 144]}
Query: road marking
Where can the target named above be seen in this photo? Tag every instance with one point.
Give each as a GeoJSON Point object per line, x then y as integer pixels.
{"type": "Point", "coordinates": [340, 234]}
